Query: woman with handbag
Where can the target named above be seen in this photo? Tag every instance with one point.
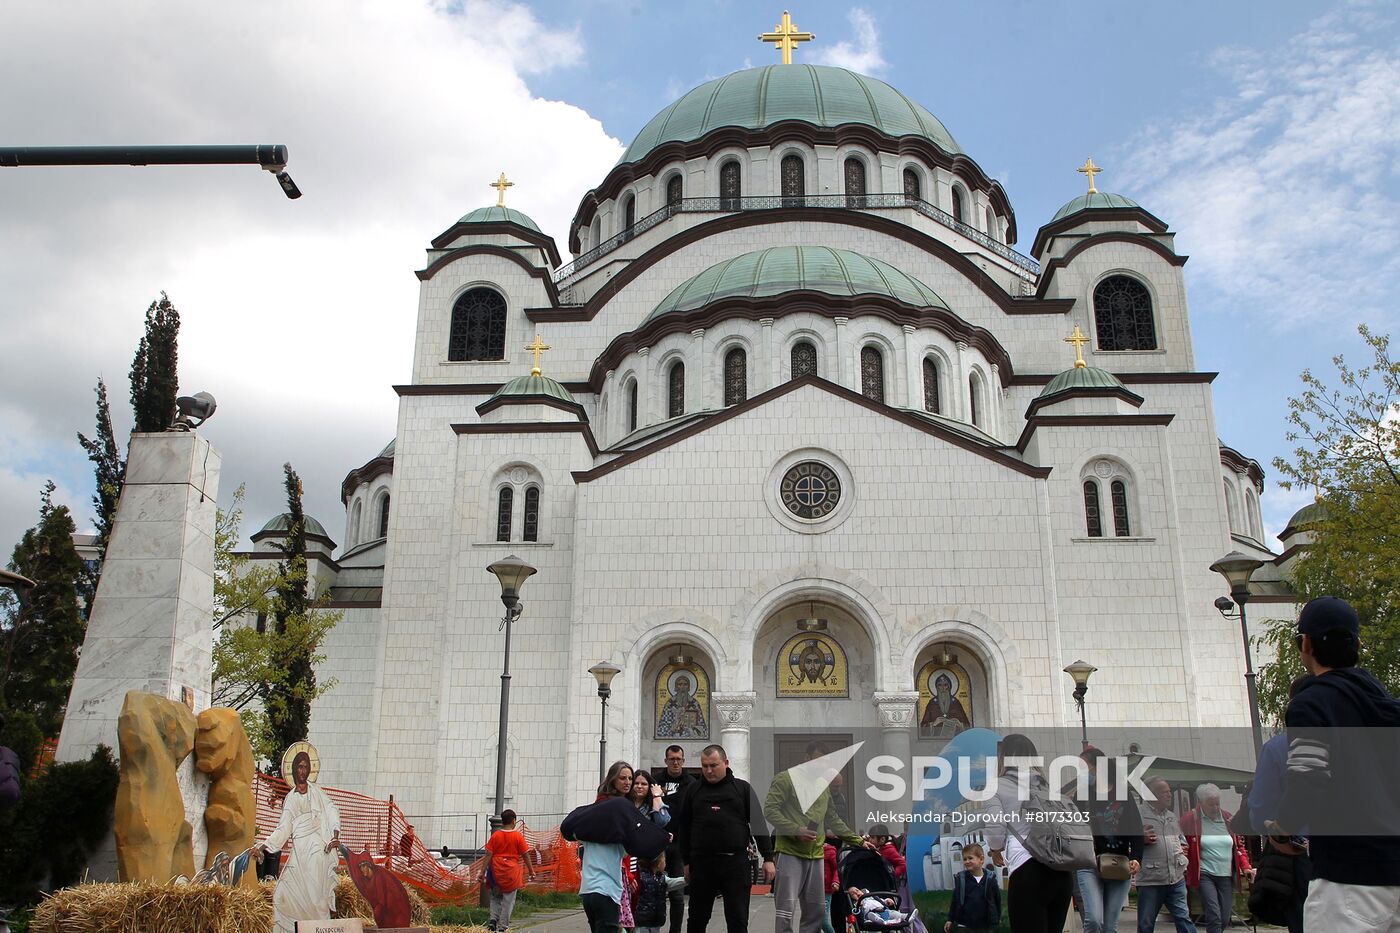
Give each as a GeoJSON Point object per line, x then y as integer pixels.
{"type": "Point", "coordinates": [1117, 826]}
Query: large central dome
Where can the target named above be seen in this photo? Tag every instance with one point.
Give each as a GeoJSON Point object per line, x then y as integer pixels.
{"type": "Point", "coordinates": [817, 94]}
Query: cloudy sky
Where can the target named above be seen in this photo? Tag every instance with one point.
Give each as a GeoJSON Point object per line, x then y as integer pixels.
{"type": "Point", "coordinates": [1267, 142]}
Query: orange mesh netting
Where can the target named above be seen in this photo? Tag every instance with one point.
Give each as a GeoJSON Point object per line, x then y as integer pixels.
{"type": "Point", "coordinates": [379, 826]}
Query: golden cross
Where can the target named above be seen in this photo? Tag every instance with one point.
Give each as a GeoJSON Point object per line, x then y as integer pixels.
{"type": "Point", "coordinates": [537, 348]}
{"type": "Point", "coordinates": [500, 184]}
{"type": "Point", "coordinates": [785, 37]}
{"type": "Point", "coordinates": [1078, 339]}
{"type": "Point", "coordinates": [1090, 169]}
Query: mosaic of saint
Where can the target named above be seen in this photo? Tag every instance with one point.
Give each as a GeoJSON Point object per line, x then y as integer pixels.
{"type": "Point", "coordinates": [812, 665]}
{"type": "Point", "coordinates": [682, 702]}
{"type": "Point", "coordinates": [945, 699]}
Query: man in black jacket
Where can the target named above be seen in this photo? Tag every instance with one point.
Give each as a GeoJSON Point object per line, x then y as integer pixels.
{"type": "Point", "coordinates": [718, 816]}
{"type": "Point", "coordinates": [674, 783]}
{"type": "Point", "coordinates": [1341, 779]}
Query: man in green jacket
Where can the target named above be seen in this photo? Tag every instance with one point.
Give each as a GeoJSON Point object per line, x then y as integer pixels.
{"type": "Point", "coordinates": [798, 839]}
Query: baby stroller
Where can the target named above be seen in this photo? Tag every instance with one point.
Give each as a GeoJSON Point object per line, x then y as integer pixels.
{"type": "Point", "coordinates": [865, 869]}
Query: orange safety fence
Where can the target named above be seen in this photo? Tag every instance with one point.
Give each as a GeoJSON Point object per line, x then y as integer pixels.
{"type": "Point", "coordinates": [379, 827]}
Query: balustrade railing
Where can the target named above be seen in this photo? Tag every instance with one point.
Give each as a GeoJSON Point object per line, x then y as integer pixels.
{"type": "Point", "coordinates": [566, 274]}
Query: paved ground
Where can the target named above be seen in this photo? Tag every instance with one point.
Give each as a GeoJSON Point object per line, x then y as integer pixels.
{"type": "Point", "coordinates": [761, 921]}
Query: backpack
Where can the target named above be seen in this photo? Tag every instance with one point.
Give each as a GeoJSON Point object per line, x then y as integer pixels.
{"type": "Point", "coordinates": [1055, 832]}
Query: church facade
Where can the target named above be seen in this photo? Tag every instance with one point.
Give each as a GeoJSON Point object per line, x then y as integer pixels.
{"type": "Point", "coordinates": [808, 447]}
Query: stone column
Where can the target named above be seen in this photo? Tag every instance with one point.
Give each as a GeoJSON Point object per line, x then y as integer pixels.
{"type": "Point", "coordinates": [995, 394]}
{"type": "Point", "coordinates": [768, 369]}
{"type": "Point", "coordinates": [913, 369]}
{"type": "Point", "coordinates": [698, 382]}
{"type": "Point", "coordinates": [734, 712]}
{"type": "Point", "coordinates": [645, 415]}
{"type": "Point", "coordinates": [963, 393]}
{"type": "Point", "coordinates": [843, 364]}
{"type": "Point", "coordinates": [897, 710]}
{"type": "Point", "coordinates": [152, 618]}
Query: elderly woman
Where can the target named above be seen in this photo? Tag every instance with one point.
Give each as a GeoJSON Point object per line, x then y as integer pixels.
{"type": "Point", "coordinates": [1214, 856]}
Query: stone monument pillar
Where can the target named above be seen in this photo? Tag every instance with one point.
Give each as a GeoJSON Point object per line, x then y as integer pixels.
{"type": "Point", "coordinates": [152, 619]}
{"type": "Point", "coordinates": [735, 725]}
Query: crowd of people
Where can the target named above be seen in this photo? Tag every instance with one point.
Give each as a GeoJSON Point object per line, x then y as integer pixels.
{"type": "Point", "coordinates": [704, 834]}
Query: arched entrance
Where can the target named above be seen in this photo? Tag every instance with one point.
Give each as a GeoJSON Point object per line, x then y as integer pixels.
{"type": "Point", "coordinates": [678, 683]}
{"type": "Point", "coordinates": [951, 680]}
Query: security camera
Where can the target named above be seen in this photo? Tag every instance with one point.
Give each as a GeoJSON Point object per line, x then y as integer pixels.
{"type": "Point", "coordinates": [193, 410]}
{"type": "Point", "coordinates": [1223, 604]}
{"type": "Point", "coordinates": [289, 187]}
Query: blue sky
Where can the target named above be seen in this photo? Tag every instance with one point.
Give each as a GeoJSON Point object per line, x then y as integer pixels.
{"type": "Point", "coordinates": [1264, 135]}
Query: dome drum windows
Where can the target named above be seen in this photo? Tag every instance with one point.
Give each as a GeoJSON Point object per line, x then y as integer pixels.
{"type": "Point", "coordinates": [1123, 315]}
{"type": "Point", "coordinates": [478, 327]}
{"type": "Point", "coordinates": [384, 516]}
{"type": "Point", "coordinates": [959, 211]}
{"type": "Point", "coordinates": [804, 359]}
{"type": "Point", "coordinates": [872, 373]}
{"type": "Point", "coordinates": [1108, 501]}
{"type": "Point", "coordinates": [855, 182]}
{"type": "Point", "coordinates": [730, 186]}
{"type": "Point", "coordinates": [631, 406]}
{"type": "Point", "coordinates": [913, 186]}
{"type": "Point", "coordinates": [931, 401]}
{"type": "Point", "coordinates": [629, 217]}
{"type": "Point", "coordinates": [793, 180]}
{"type": "Point", "coordinates": [675, 390]}
{"type": "Point", "coordinates": [675, 190]}
{"type": "Point", "coordinates": [736, 376]}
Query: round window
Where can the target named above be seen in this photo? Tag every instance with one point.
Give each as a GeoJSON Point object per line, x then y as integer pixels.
{"type": "Point", "coordinates": [810, 490]}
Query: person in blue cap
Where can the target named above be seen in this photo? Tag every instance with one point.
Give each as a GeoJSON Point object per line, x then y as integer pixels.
{"type": "Point", "coordinates": [1341, 779]}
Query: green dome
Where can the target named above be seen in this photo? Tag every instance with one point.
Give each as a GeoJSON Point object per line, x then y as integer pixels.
{"type": "Point", "coordinates": [498, 215]}
{"type": "Point", "coordinates": [780, 269]}
{"type": "Point", "coordinates": [1096, 201]}
{"type": "Point", "coordinates": [817, 94]}
{"type": "Point", "coordinates": [534, 385]}
{"type": "Point", "coordinates": [1312, 512]}
{"type": "Point", "coordinates": [281, 524]}
{"type": "Point", "coordinates": [1082, 377]}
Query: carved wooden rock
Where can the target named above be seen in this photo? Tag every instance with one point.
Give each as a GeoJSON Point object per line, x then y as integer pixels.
{"type": "Point", "coordinates": [221, 750]}
{"type": "Point", "coordinates": [153, 838]}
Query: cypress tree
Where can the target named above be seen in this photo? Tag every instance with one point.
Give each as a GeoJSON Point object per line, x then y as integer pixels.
{"type": "Point", "coordinates": [109, 471]}
{"type": "Point", "coordinates": [289, 704]}
{"type": "Point", "coordinates": [43, 634]}
{"type": "Point", "coordinates": [154, 370]}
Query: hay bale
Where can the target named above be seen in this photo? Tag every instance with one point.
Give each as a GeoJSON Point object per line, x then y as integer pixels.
{"type": "Point", "coordinates": [350, 903]}
{"type": "Point", "coordinates": [142, 907]}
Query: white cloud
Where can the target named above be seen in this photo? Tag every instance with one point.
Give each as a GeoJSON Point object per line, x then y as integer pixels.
{"type": "Point", "coordinates": [1286, 192]}
{"type": "Point", "coordinates": [861, 54]}
{"type": "Point", "coordinates": [297, 315]}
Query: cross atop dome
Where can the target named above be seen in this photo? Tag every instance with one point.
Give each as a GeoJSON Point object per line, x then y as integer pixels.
{"type": "Point", "coordinates": [785, 37]}
{"type": "Point", "coordinates": [500, 184]}
{"type": "Point", "coordinates": [1090, 169]}
{"type": "Point", "coordinates": [537, 348]}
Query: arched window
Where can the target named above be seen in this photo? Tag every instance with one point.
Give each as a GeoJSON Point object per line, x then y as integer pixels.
{"type": "Point", "coordinates": [855, 182]}
{"type": "Point", "coordinates": [974, 399]}
{"type": "Point", "coordinates": [597, 231]}
{"type": "Point", "coordinates": [631, 406]}
{"type": "Point", "coordinates": [913, 187]}
{"type": "Point", "coordinates": [384, 516]}
{"type": "Point", "coordinates": [1232, 508]}
{"type": "Point", "coordinates": [991, 224]}
{"type": "Point", "coordinates": [675, 390]}
{"type": "Point", "coordinates": [736, 376]}
{"type": "Point", "coordinates": [675, 189]}
{"type": "Point", "coordinates": [478, 329]}
{"type": "Point", "coordinates": [730, 188]}
{"type": "Point", "coordinates": [931, 385]}
{"type": "Point", "coordinates": [1119, 492]}
{"type": "Point", "coordinates": [355, 523]}
{"type": "Point", "coordinates": [1251, 507]}
{"type": "Point", "coordinates": [629, 216]}
{"type": "Point", "coordinates": [804, 359]}
{"type": "Point", "coordinates": [532, 513]}
{"type": "Point", "coordinates": [872, 373]}
{"type": "Point", "coordinates": [794, 180]}
{"type": "Point", "coordinates": [958, 210]}
{"type": "Point", "coordinates": [1123, 315]}
{"type": "Point", "coordinates": [1092, 517]}
{"type": "Point", "coordinates": [504, 502]}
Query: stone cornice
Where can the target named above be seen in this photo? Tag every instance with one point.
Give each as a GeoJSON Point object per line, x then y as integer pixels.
{"type": "Point", "coordinates": [376, 467]}
{"type": "Point", "coordinates": [1088, 421]}
{"type": "Point", "coordinates": [1093, 215]}
{"type": "Point", "coordinates": [487, 249]}
{"type": "Point", "coordinates": [500, 227]}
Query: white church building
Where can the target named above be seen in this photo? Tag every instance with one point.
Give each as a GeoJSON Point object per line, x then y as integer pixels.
{"type": "Point", "coordinates": [808, 449]}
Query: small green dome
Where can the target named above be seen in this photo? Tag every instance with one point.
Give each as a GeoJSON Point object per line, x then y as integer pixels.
{"type": "Point", "coordinates": [1082, 377]}
{"type": "Point", "coordinates": [780, 269]}
{"type": "Point", "coordinates": [281, 524]}
{"type": "Point", "coordinates": [534, 385]}
{"type": "Point", "coordinates": [498, 215]}
{"type": "Point", "coordinates": [817, 94]}
{"type": "Point", "coordinates": [1096, 201]}
{"type": "Point", "coordinates": [1308, 514]}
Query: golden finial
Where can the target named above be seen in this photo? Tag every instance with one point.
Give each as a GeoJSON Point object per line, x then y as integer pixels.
{"type": "Point", "coordinates": [1078, 339]}
{"type": "Point", "coordinates": [500, 184]}
{"type": "Point", "coordinates": [1090, 169]}
{"type": "Point", "coordinates": [785, 37]}
{"type": "Point", "coordinates": [537, 348]}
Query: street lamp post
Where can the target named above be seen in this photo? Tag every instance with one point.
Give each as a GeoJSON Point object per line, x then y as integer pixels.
{"type": "Point", "coordinates": [1237, 568]}
{"type": "Point", "coordinates": [1080, 671]}
{"type": "Point", "coordinates": [604, 672]}
{"type": "Point", "coordinates": [512, 572]}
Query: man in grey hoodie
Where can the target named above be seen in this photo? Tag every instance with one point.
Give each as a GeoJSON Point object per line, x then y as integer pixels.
{"type": "Point", "coordinates": [1162, 879]}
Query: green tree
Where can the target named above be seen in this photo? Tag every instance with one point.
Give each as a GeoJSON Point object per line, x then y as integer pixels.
{"type": "Point", "coordinates": [109, 471]}
{"type": "Point", "coordinates": [1348, 450]}
{"type": "Point", "coordinates": [154, 370]}
{"type": "Point", "coordinates": [42, 634]}
{"type": "Point", "coordinates": [251, 656]}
